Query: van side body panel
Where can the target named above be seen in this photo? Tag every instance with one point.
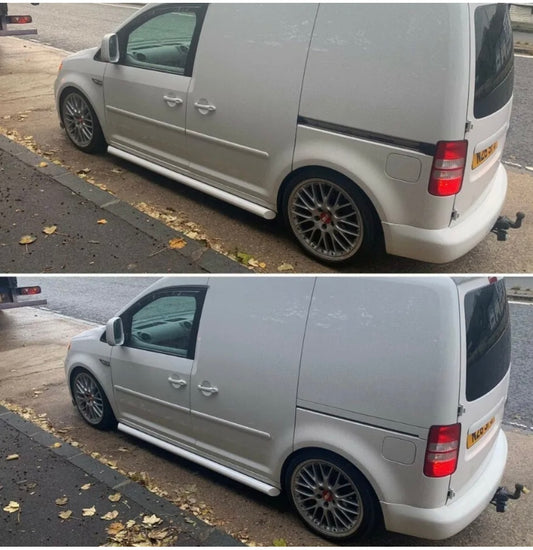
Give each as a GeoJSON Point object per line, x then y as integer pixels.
{"type": "Point", "coordinates": [389, 335]}
{"type": "Point", "coordinates": [398, 67]}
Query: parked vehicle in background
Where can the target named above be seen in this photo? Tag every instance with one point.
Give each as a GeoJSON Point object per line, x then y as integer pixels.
{"type": "Point", "coordinates": [6, 20]}
{"type": "Point", "coordinates": [12, 296]}
{"type": "Point", "coordinates": [358, 123]}
{"type": "Point", "coordinates": [362, 398]}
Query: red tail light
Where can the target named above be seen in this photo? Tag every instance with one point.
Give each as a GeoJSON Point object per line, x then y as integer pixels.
{"type": "Point", "coordinates": [19, 19]}
{"type": "Point", "coordinates": [28, 290]}
{"type": "Point", "coordinates": [442, 450]}
{"type": "Point", "coordinates": [448, 168]}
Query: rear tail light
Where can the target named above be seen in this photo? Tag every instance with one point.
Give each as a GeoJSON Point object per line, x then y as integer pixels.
{"type": "Point", "coordinates": [19, 19]}
{"type": "Point", "coordinates": [28, 290]}
{"type": "Point", "coordinates": [442, 450]}
{"type": "Point", "coordinates": [448, 168]}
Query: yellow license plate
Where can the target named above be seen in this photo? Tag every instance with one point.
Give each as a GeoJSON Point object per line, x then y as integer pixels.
{"type": "Point", "coordinates": [474, 437]}
{"type": "Point", "coordinates": [479, 158]}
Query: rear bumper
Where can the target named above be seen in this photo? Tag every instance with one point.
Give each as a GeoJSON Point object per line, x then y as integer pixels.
{"type": "Point", "coordinates": [446, 521]}
{"type": "Point", "coordinates": [448, 244]}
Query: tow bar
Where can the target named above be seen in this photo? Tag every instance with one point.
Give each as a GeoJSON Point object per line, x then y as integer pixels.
{"type": "Point", "coordinates": [503, 224]}
{"type": "Point", "coordinates": [502, 495]}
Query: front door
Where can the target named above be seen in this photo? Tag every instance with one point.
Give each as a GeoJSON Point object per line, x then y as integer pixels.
{"type": "Point", "coordinates": [146, 91]}
{"type": "Point", "coordinates": [152, 370]}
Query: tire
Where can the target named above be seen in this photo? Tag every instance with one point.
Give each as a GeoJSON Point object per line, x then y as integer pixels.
{"type": "Point", "coordinates": [81, 123]}
{"type": "Point", "coordinates": [331, 496]}
{"type": "Point", "coordinates": [91, 401]}
{"type": "Point", "coordinates": [330, 218]}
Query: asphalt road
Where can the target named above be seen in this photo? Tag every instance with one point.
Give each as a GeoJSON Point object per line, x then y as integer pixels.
{"type": "Point", "coordinates": [97, 299]}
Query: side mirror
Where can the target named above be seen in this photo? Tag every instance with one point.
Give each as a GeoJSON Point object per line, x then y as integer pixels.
{"type": "Point", "coordinates": [114, 332]}
{"type": "Point", "coordinates": [109, 51]}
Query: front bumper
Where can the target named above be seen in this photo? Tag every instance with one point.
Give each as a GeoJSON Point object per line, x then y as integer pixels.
{"type": "Point", "coordinates": [447, 244]}
{"type": "Point", "coordinates": [448, 520]}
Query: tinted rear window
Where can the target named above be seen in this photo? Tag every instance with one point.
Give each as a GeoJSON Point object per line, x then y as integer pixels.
{"type": "Point", "coordinates": [494, 59]}
{"type": "Point", "coordinates": [488, 337]}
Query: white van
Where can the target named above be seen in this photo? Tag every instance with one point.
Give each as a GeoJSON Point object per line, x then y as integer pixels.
{"type": "Point", "coordinates": [359, 123]}
{"type": "Point", "coordinates": [365, 399]}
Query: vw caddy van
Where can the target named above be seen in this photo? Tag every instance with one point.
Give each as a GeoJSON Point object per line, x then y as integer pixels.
{"type": "Point", "coordinates": [366, 400]}
{"type": "Point", "coordinates": [359, 124]}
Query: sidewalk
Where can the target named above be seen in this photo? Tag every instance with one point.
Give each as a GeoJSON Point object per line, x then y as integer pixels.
{"type": "Point", "coordinates": [95, 232]}
{"type": "Point", "coordinates": [46, 469]}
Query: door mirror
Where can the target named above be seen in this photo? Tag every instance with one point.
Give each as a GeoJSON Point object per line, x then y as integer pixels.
{"type": "Point", "coordinates": [109, 51]}
{"type": "Point", "coordinates": [114, 332]}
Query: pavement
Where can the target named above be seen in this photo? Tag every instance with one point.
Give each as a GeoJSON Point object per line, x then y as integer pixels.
{"type": "Point", "coordinates": [42, 476]}
{"type": "Point", "coordinates": [95, 231]}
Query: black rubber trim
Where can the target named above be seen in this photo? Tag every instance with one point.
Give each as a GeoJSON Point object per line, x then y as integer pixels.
{"type": "Point", "coordinates": [418, 146]}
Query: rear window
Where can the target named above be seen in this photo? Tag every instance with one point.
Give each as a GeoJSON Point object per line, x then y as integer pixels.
{"type": "Point", "coordinates": [488, 338]}
{"type": "Point", "coordinates": [494, 59]}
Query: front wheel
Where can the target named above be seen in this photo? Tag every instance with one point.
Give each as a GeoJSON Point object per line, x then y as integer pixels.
{"type": "Point", "coordinates": [331, 497]}
{"type": "Point", "coordinates": [91, 401]}
{"type": "Point", "coordinates": [330, 217]}
{"type": "Point", "coordinates": [81, 123]}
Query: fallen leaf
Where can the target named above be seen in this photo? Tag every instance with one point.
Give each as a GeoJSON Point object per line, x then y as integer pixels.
{"type": "Point", "coordinates": [176, 243]}
{"type": "Point", "coordinates": [56, 445]}
{"type": "Point", "coordinates": [115, 497]}
{"type": "Point", "coordinates": [12, 457]}
{"type": "Point", "coordinates": [27, 239]}
{"type": "Point", "coordinates": [116, 171]}
{"type": "Point", "coordinates": [123, 450]}
{"type": "Point", "coordinates": [285, 267]}
{"type": "Point", "coordinates": [50, 230]}
{"type": "Point", "coordinates": [110, 515]}
{"type": "Point", "coordinates": [43, 164]}
{"type": "Point", "coordinates": [151, 520]}
{"type": "Point", "coordinates": [101, 222]}
{"type": "Point", "coordinates": [75, 443]}
{"type": "Point", "coordinates": [243, 257]}
{"type": "Point", "coordinates": [61, 501]}
{"type": "Point", "coordinates": [279, 542]}
{"type": "Point", "coordinates": [115, 528]}
{"type": "Point", "coordinates": [65, 515]}
{"type": "Point", "coordinates": [158, 534]}
{"type": "Point", "coordinates": [12, 507]}
{"type": "Point", "coordinates": [85, 487]}
{"type": "Point", "coordinates": [83, 171]}
{"type": "Point", "coordinates": [89, 512]}
{"type": "Point", "coordinates": [130, 523]}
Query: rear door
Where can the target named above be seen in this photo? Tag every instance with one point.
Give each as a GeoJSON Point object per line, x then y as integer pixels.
{"type": "Point", "coordinates": [485, 360]}
{"type": "Point", "coordinates": [490, 99]}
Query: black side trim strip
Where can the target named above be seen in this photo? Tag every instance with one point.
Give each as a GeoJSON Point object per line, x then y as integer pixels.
{"type": "Point", "coordinates": [419, 146]}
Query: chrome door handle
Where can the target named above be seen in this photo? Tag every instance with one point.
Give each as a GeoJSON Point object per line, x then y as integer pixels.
{"type": "Point", "coordinates": [205, 108]}
{"type": "Point", "coordinates": [177, 383]}
{"type": "Point", "coordinates": [207, 390]}
{"type": "Point", "coordinates": [173, 101]}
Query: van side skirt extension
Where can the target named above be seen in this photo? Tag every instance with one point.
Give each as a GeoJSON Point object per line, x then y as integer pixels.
{"type": "Point", "coordinates": [207, 463]}
{"type": "Point", "coordinates": [247, 205]}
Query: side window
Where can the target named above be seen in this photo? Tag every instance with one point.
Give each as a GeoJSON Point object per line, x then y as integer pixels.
{"type": "Point", "coordinates": [166, 322]}
{"type": "Point", "coordinates": [165, 41]}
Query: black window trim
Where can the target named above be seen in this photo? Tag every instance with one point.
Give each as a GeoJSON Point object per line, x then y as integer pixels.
{"type": "Point", "coordinates": [127, 316]}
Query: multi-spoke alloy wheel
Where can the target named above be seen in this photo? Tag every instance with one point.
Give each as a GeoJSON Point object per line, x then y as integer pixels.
{"type": "Point", "coordinates": [81, 123]}
{"type": "Point", "coordinates": [330, 220]}
{"type": "Point", "coordinates": [91, 401]}
{"type": "Point", "coordinates": [331, 496]}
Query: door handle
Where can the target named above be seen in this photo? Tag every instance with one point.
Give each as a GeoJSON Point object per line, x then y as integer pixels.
{"type": "Point", "coordinates": [178, 384]}
{"type": "Point", "coordinates": [172, 101]}
{"type": "Point", "coordinates": [207, 390]}
{"type": "Point", "coordinates": [205, 108]}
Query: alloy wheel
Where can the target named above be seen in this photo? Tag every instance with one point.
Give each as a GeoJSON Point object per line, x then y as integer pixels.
{"type": "Point", "coordinates": [78, 120]}
{"type": "Point", "coordinates": [89, 398]}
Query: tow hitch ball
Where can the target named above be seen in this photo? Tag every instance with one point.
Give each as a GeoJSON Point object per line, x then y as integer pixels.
{"type": "Point", "coordinates": [503, 224]}
{"type": "Point", "coordinates": [501, 496]}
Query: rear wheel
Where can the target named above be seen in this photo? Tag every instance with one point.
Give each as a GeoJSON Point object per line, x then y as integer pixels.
{"type": "Point", "coordinates": [331, 496]}
{"type": "Point", "coordinates": [81, 123]}
{"type": "Point", "coordinates": [329, 216]}
{"type": "Point", "coordinates": [91, 401]}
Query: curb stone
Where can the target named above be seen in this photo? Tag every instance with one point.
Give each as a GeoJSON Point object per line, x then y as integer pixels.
{"type": "Point", "coordinates": [198, 532]}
